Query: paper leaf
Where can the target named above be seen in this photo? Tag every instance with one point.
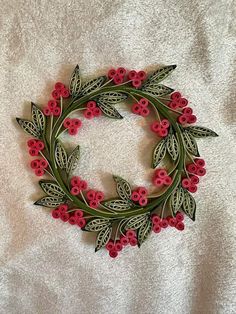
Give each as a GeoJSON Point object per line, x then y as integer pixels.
{"type": "Point", "coordinates": [75, 82]}
{"type": "Point", "coordinates": [144, 231]}
{"type": "Point", "coordinates": [161, 73]}
{"type": "Point", "coordinates": [38, 117]}
{"type": "Point", "coordinates": [97, 224]}
{"type": "Point", "coordinates": [189, 205]}
{"type": "Point", "coordinates": [60, 155]}
{"type": "Point", "coordinates": [92, 85]}
{"type": "Point", "coordinates": [111, 97]}
{"type": "Point", "coordinates": [118, 204]}
{"type": "Point", "coordinates": [190, 143]}
{"type": "Point", "coordinates": [28, 127]}
{"type": "Point", "coordinates": [123, 188]}
{"type": "Point", "coordinates": [156, 89]}
{"type": "Point", "coordinates": [73, 160]}
{"type": "Point", "coordinates": [50, 201]}
{"type": "Point", "coordinates": [172, 146]}
{"type": "Point", "coordinates": [159, 153]}
{"type": "Point", "coordinates": [200, 132]}
{"type": "Point", "coordinates": [103, 237]}
{"type": "Point", "coordinates": [136, 222]}
{"type": "Point", "coordinates": [176, 199]}
{"type": "Point", "coordinates": [51, 188]}
{"type": "Point", "coordinates": [109, 110]}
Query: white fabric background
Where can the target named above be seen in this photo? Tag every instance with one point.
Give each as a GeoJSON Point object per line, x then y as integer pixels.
{"type": "Point", "coordinates": [50, 267]}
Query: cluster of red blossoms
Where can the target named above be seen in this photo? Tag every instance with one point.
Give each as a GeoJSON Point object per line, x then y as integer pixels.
{"type": "Point", "coordinates": [140, 107]}
{"type": "Point", "coordinates": [92, 110]}
{"type": "Point", "coordinates": [198, 170]}
{"type": "Point", "coordinates": [177, 101]}
{"type": "Point", "coordinates": [187, 116]}
{"type": "Point", "coordinates": [118, 76]}
{"type": "Point", "coordinates": [116, 246]}
{"type": "Point", "coordinates": [72, 125]}
{"type": "Point", "coordinates": [161, 178]}
{"type": "Point", "coordinates": [74, 218]}
{"type": "Point", "coordinates": [39, 166]}
{"type": "Point", "coordinates": [158, 223]}
{"type": "Point", "coordinates": [140, 195]}
{"type": "Point", "coordinates": [160, 128]}
{"type": "Point", "coordinates": [52, 108]}
{"type": "Point", "coordinates": [35, 146]}
{"type": "Point", "coordinates": [78, 185]}
{"type": "Point", "coordinates": [94, 198]}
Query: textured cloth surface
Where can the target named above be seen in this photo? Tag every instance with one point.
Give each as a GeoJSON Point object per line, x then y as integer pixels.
{"type": "Point", "coordinates": [50, 267]}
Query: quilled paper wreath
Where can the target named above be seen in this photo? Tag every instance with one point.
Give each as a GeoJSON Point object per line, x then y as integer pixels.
{"type": "Point", "coordinates": [131, 217]}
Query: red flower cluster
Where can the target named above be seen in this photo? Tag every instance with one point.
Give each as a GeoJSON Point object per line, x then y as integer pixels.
{"type": "Point", "coordinates": [92, 110]}
{"type": "Point", "coordinates": [72, 125]}
{"type": "Point", "coordinates": [74, 218]}
{"type": "Point", "coordinates": [140, 195]}
{"type": "Point", "coordinates": [135, 77]}
{"type": "Point", "coordinates": [94, 197]}
{"type": "Point", "coordinates": [158, 223]}
{"type": "Point", "coordinates": [39, 166]}
{"type": "Point", "coordinates": [35, 146]}
{"type": "Point", "coordinates": [140, 107]}
{"type": "Point", "coordinates": [78, 185]}
{"type": "Point", "coordinates": [52, 109]}
{"type": "Point", "coordinates": [161, 178]}
{"type": "Point", "coordinates": [177, 101]}
{"type": "Point", "coordinates": [60, 91]}
{"type": "Point", "coordinates": [187, 116]}
{"type": "Point", "coordinates": [190, 183]}
{"type": "Point", "coordinates": [160, 128]}
{"type": "Point", "coordinates": [117, 246]}
{"type": "Point", "coordinates": [197, 167]}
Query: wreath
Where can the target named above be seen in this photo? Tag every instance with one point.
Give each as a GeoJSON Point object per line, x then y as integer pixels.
{"type": "Point", "coordinates": [129, 218]}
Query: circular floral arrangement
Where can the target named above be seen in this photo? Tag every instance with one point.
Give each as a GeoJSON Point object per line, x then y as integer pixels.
{"type": "Point", "coordinates": [129, 218]}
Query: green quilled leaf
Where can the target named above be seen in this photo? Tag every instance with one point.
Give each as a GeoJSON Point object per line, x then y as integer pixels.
{"type": "Point", "coordinates": [161, 73]}
{"type": "Point", "coordinates": [109, 111]}
{"type": "Point", "coordinates": [60, 155]}
{"type": "Point", "coordinates": [123, 188]}
{"type": "Point", "coordinates": [97, 224]}
{"type": "Point", "coordinates": [92, 85]}
{"type": "Point", "coordinates": [28, 127]}
{"type": "Point", "coordinates": [75, 82]}
{"type": "Point", "coordinates": [50, 201]}
{"type": "Point", "coordinates": [103, 237]}
{"type": "Point", "coordinates": [159, 153]}
{"type": "Point", "coordinates": [176, 199]}
{"type": "Point", "coordinates": [112, 98]}
{"type": "Point", "coordinates": [136, 222]}
{"type": "Point", "coordinates": [51, 188]}
{"type": "Point", "coordinates": [190, 144]}
{"type": "Point", "coordinates": [200, 132]}
{"type": "Point", "coordinates": [172, 146]}
{"type": "Point", "coordinates": [118, 204]}
{"type": "Point", "coordinates": [73, 160]}
{"type": "Point", "coordinates": [189, 205]}
{"type": "Point", "coordinates": [157, 90]}
{"type": "Point", "coordinates": [144, 231]}
{"type": "Point", "coordinates": [38, 118]}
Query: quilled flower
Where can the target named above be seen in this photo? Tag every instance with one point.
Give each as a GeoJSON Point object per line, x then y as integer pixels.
{"type": "Point", "coordinates": [161, 178]}
{"type": "Point", "coordinates": [140, 107]}
{"type": "Point", "coordinates": [160, 128]}
{"type": "Point", "coordinates": [140, 195]}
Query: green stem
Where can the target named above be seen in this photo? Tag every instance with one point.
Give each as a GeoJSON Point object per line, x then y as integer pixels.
{"type": "Point", "coordinates": [164, 110]}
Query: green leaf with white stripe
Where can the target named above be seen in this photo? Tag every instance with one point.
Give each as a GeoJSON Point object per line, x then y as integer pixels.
{"type": "Point", "coordinates": [172, 146]}
{"type": "Point", "coordinates": [159, 153]}
{"type": "Point", "coordinates": [118, 204]}
{"type": "Point", "coordinates": [97, 224]}
{"type": "Point", "coordinates": [92, 85]}
{"type": "Point", "coordinates": [73, 160]}
{"type": "Point", "coordinates": [144, 231]}
{"type": "Point", "coordinates": [38, 118]}
{"type": "Point", "coordinates": [156, 89]}
{"type": "Point", "coordinates": [60, 155]}
{"type": "Point", "coordinates": [136, 222]}
{"type": "Point", "coordinates": [109, 110]}
{"type": "Point", "coordinates": [123, 188]}
{"type": "Point", "coordinates": [50, 201]}
{"type": "Point", "coordinates": [176, 199]}
{"type": "Point", "coordinates": [190, 144]}
{"type": "Point", "coordinates": [29, 127]}
{"type": "Point", "coordinates": [112, 98]}
{"type": "Point", "coordinates": [103, 237]}
{"type": "Point", "coordinates": [51, 188]}
{"type": "Point", "coordinates": [189, 205]}
{"type": "Point", "coordinates": [200, 132]}
{"type": "Point", "coordinates": [161, 73]}
{"type": "Point", "coordinates": [75, 82]}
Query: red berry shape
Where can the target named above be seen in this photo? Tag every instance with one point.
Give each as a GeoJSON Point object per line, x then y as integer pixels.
{"type": "Point", "coordinates": [200, 162]}
{"type": "Point", "coordinates": [72, 220]}
{"type": "Point", "coordinates": [65, 93]}
{"type": "Point", "coordinates": [133, 241]}
{"type": "Point", "coordinates": [180, 225]}
{"type": "Point", "coordinates": [142, 75]}
{"type": "Point", "coordinates": [121, 71]}
{"type": "Point", "coordinates": [59, 86]}
{"type": "Point", "coordinates": [192, 188]}
{"type": "Point", "coordinates": [185, 183]}
{"type": "Point", "coordinates": [56, 111]}
{"type": "Point", "coordinates": [63, 208]}
{"type": "Point", "coordinates": [111, 73]}
{"type": "Point", "coordinates": [56, 94]}
{"type": "Point", "coordinates": [191, 119]}
{"type": "Point", "coordinates": [145, 112]}
{"type": "Point", "coordinates": [118, 246]}
{"type": "Point", "coordinates": [33, 152]}
{"type": "Point", "coordinates": [99, 196]}
{"type": "Point", "coordinates": [43, 163]}
{"type": "Point", "coordinates": [67, 123]}
{"type": "Point", "coordinates": [78, 213]}
{"type": "Point", "coordinates": [175, 96]}
{"type": "Point", "coordinates": [165, 123]}
{"type": "Point", "coordinates": [179, 216]}
{"type": "Point", "coordinates": [136, 109]}
{"type": "Point", "coordinates": [91, 194]}
{"type": "Point", "coordinates": [142, 191]}
{"type": "Point", "coordinates": [124, 240]}
{"type": "Point", "coordinates": [91, 104]}
{"type": "Point", "coordinates": [75, 181]}
{"type": "Point", "coordinates": [93, 204]}
{"type": "Point", "coordinates": [64, 216]}
{"type": "Point", "coordinates": [187, 111]}
{"type": "Point", "coordinates": [56, 213]}
{"type": "Point", "coordinates": [132, 74]}
{"type": "Point", "coordinates": [156, 219]}
{"type": "Point", "coordinates": [52, 104]}
{"type": "Point", "coordinates": [156, 228]}
{"type": "Point", "coordinates": [183, 102]}
{"type": "Point", "coordinates": [113, 253]}
{"type": "Point", "coordinates": [97, 112]}
{"type": "Point", "coordinates": [158, 182]}
{"type": "Point", "coordinates": [194, 179]}
{"type": "Point", "coordinates": [39, 172]}
{"type": "Point", "coordinates": [201, 172]}
{"type": "Point", "coordinates": [47, 112]}
{"type": "Point", "coordinates": [182, 119]}
{"type": "Point", "coordinates": [130, 234]}
{"type": "Point", "coordinates": [88, 114]}
{"type": "Point", "coordinates": [83, 185]}
{"type": "Point", "coordinates": [31, 142]}
{"type": "Point", "coordinates": [164, 223]}
{"type": "Point", "coordinates": [118, 79]}
{"type": "Point", "coordinates": [167, 180]}
{"type": "Point", "coordinates": [110, 245]}
{"type": "Point", "coordinates": [171, 221]}
{"type": "Point", "coordinates": [143, 102]}
{"type": "Point", "coordinates": [73, 130]}
{"type": "Point", "coordinates": [34, 164]}
{"type": "Point", "coordinates": [143, 201]}
{"type": "Point", "coordinates": [136, 83]}
{"type": "Point", "coordinates": [161, 173]}
{"type": "Point", "coordinates": [81, 222]}
{"type": "Point", "coordinates": [135, 196]}
{"type": "Point", "coordinates": [75, 190]}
